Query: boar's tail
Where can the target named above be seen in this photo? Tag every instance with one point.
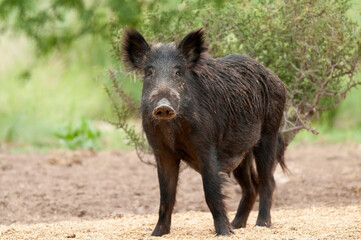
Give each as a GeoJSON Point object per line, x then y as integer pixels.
{"type": "Point", "coordinates": [281, 147]}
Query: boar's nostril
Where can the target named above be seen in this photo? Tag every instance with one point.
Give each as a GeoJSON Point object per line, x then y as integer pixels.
{"type": "Point", "coordinates": [164, 111]}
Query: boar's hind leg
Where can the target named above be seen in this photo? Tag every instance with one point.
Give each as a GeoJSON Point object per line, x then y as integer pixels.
{"type": "Point", "coordinates": [246, 177]}
{"type": "Point", "coordinates": [168, 169]}
{"type": "Point", "coordinates": [212, 184]}
{"type": "Point", "coordinates": [265, 157]}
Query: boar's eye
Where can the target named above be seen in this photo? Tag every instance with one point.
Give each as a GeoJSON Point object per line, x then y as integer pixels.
{"type": "Point", "coordinates": [178, 73]}
{"type": "Point", "coordinates": [149, 72]}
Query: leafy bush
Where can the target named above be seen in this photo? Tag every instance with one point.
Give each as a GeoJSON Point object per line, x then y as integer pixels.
{"type": "Point", "coordinates": [311, 45]}
{"type": "Point", "coordinates": [124, 106]}
{"type": "Point", "coordinates": [79, 134]}
{"type": "Point", "coordinates": [55, 24]}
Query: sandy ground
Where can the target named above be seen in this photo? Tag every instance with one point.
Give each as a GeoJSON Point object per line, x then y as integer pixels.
{"type": "Point", "coordinates": [314, 223]}
{"type": "Point", "coordinates": [111, 195]}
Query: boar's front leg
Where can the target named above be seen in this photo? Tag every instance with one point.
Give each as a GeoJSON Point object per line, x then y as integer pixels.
{"type": "Point", "coordinates": [168, 169]}
{"type": "Point", "coordinates": [212, 184]}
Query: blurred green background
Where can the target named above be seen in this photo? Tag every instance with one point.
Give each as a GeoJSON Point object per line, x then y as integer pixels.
{"type": "Point", "coordinates": [51, 88]}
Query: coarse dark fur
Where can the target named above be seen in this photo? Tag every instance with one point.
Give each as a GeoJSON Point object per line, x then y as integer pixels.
{"type": "Point", "coordinates": [228, 113]}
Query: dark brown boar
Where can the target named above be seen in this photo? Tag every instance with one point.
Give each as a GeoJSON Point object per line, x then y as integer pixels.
{"type": "Point", "coordinates": [218, 115]}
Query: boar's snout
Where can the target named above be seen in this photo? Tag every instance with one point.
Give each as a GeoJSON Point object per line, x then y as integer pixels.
{"type": "Point", "coordinates": [164, 110]}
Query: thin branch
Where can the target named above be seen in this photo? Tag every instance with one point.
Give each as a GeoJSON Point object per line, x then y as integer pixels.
{"type": "Point", "coordinates": [125, 97]}
{"type": "Point", "coordinates": [293, 129]}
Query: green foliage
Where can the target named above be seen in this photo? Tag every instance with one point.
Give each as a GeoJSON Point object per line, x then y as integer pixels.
{"type": "Point", "coordinates": [39, 94]}
{"type": "Point", "coordinates": [56, 24]}
{"type": "Point", "coordinates": [79, 134]}
{"type": "Point", "coordinates": [52, 24]}
{"type": "Point", "coordinates": [311, 45]}
{"type": "Point", "coordinates": [297, 39]}
{"type": "Point", "coordinates": [124, 107]}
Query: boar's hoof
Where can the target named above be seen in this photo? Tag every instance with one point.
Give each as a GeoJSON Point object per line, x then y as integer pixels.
{"type": "Point", "coordinates": [263, 223]}
{"type": "Point", "coordinates": [238, 224]}
{"type": "Point", "coordinates": [224, 231]}
{"type": "Point", "coordinates": [160, 231]}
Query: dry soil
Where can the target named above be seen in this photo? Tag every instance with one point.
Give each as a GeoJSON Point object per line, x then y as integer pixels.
{"type": "Point", "coordinates": [112, 195]}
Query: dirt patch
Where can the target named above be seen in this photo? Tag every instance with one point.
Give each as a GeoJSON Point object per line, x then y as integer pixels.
{"type": "Point", "coordinates": [314, 223]}
{"type": "Point", "coordinates": [322, 196]}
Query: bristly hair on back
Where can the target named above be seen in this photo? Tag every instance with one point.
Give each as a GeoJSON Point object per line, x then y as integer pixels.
{"type": "Point", "coordinates": [134, 49]}
{"type": "Point", "coordinates": [194, 48]}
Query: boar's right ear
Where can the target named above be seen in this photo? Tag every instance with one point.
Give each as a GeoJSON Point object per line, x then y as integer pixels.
{"type": "Point", "coordinates": [193, 47]}
{"type": "Point", "coordinates": [134, 48]}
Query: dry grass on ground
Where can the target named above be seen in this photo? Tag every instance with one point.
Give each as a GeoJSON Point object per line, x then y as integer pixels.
{"type": "Point", "coordinates": [315, 223]}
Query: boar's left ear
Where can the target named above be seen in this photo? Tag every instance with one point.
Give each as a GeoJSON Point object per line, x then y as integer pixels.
{"type": "Point", "coordinates": [134, 49]}
{"type": "Point", "coordinates": [193, 47]}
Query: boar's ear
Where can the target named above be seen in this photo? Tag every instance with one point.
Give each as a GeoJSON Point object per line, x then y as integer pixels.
{"type": "Point", "coordinates": [134, 48]}
{"type": "Point", "coordinates": [193, 47]}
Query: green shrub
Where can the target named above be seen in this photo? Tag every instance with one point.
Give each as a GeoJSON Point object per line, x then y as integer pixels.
{"type": "Point", "coordinates": [125, 107]}
{"type": "Point", "coordinates": [79, 134]}
{"type": "Point", "coordinates": [311, 45]}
